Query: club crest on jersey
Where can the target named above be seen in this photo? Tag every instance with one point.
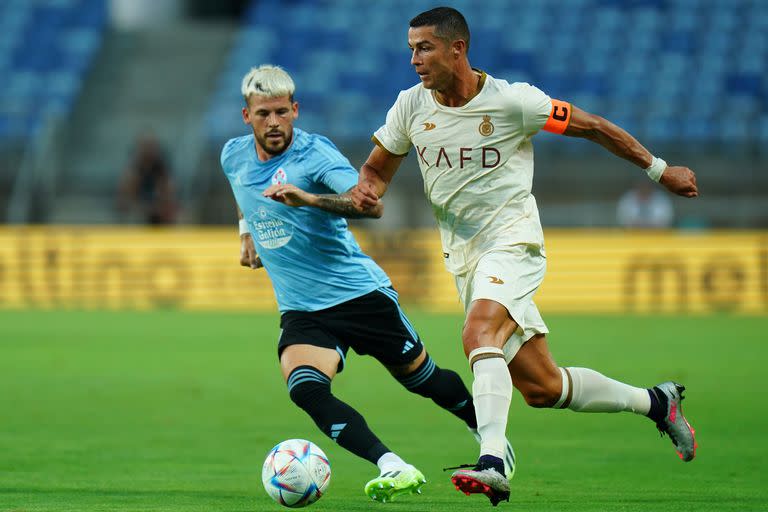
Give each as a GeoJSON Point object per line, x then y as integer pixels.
{"type": "Point", "coordinates": [486, 127]}
{"type": "Point", "coordinates": [279, 178]}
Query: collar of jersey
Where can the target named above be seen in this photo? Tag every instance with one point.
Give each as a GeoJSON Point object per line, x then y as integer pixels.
{"type": "Point", "coordinates": [278, 158]}
{"type": "Point", "coordinates": [480, 85]}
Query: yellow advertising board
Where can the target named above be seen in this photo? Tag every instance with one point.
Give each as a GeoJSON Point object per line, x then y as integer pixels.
{"type": "Point", "coordinates": [609, 271]}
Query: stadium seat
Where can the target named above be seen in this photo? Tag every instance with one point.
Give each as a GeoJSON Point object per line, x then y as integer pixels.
{"type": "Point", "coordinates": [46, 47]}
{"type": "Point", "coordinates": [650, 54]}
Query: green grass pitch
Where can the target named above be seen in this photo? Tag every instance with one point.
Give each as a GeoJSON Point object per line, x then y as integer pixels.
{"type": "Point", "coordinates": [170, 411]}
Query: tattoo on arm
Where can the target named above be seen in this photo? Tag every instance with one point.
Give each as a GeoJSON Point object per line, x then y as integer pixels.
{"type": "Point", "coordinates": [341, 204]}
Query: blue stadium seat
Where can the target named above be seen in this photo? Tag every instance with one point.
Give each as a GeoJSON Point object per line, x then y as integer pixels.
{"type": "Point", "coordinates": [746, 84]}
{"type": "Point", "coordinates": [46, 46]}
{"type": "Point", "coordinates": [644, 63]}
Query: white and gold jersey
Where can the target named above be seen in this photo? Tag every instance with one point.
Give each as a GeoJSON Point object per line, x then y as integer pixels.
{"type": "Point", "coordinates": [476, 161]}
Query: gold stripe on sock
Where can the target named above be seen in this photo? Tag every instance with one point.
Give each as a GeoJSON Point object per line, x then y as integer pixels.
{"type": "Point", "coordinates": [485, 355]}
{"type": "Point", "coordinates": [570, 390]}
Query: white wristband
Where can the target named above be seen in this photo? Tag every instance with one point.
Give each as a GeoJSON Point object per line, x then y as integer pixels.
{"type": "Point", "coordinates": [656, 169]}
{"type": "Point", "coordinates": [243, 227]}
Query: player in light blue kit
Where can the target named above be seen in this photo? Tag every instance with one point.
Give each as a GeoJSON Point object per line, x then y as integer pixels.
{"type": "Point", "coordinates": [291, 190]}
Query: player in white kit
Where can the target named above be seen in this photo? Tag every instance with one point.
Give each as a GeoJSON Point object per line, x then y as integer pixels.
{"type": "Point", "coordinates": [472, 137]}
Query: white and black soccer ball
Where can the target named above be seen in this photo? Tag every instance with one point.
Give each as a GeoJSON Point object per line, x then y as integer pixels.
{"type": "Point", "coordinates": [296, 473]}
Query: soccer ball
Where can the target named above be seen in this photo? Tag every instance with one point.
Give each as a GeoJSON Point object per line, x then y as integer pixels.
{"type": "Point", "coordinates": [296, 473]}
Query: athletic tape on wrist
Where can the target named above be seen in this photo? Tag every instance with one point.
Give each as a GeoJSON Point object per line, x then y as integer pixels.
{"type": "Point", "coordinates": [243, 224]}
{"type": "Point", "coordinates": [656, 169]}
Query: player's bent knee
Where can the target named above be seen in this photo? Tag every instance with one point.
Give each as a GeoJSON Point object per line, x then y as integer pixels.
{"type": "Point", "coordinates": [308, 387]}
{"type": "Point", "coordinates": [477, 336]}
{"type": "Point", "coordinates": [540, 399]}
{"type": "Point", "coordinates": [404, 370]}
{"type": "Point", "coordinates": [541, 396]}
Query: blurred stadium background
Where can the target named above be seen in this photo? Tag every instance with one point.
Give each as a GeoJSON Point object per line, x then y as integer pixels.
{"type": "Point", "coordinates": [165, 410]}
{"type": "Point", "coordinates": [83, 80]}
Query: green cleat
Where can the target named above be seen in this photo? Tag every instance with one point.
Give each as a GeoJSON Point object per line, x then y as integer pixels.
{"type": "Point", "coordinates": [387, 486]}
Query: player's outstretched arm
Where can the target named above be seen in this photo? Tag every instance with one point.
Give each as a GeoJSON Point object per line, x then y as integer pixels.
{"type": "Point", "coordinates": [248, 256]}
{"type": "Point", "coordinates": [677, 179]}
{"type": "Point", "coordinates": [375, 175]}
{"type": "Point", "coordinates": [340, 204]}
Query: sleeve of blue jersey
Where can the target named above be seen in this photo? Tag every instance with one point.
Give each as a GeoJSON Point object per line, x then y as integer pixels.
{"type": "Point", "coordinates": [229, 149]}
{"type": "Point", "coordinates": [225, 152]}
{"type": "Point", "coordinates": [332, 169]}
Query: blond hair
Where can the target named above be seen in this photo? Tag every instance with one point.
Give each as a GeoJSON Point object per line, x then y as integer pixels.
{"type": "Point", "coordinates": [268, 81]}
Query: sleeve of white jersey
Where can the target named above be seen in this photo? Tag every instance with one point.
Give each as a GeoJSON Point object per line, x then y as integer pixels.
{"type": "Point", "coordinates": [535, 107]}
{"type": "Point", "coordinates": [393, 136]}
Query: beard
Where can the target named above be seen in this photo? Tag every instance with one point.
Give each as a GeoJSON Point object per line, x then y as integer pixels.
{"type": "Point", "coordinates": [273, 146]}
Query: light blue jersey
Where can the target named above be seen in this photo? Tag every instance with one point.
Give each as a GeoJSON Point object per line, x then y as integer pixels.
{"type": "Point", "coordinates": [311, 257]}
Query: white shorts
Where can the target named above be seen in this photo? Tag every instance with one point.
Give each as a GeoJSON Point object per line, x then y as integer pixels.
{"type": "Point", "coordinates": [510, 276]}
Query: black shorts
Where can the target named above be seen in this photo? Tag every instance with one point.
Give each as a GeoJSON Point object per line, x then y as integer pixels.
{"type": "Point", "coordinates": [373, 324]}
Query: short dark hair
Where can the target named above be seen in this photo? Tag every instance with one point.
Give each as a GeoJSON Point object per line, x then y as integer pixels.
{"type": "Point", "coordinates": [449, 23]}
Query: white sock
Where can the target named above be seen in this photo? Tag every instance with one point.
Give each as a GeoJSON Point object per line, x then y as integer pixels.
{"type": "Point", "coordinates": [390, 462]}
{"type": "Point", "coordinates": [590, 391]}
{"type": "Point", "coordinates": [492, 393]}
